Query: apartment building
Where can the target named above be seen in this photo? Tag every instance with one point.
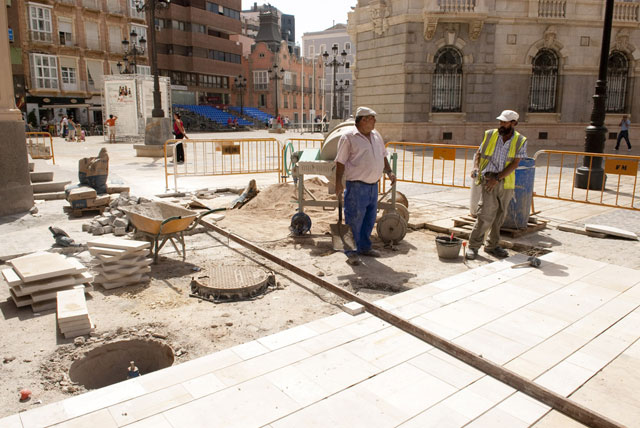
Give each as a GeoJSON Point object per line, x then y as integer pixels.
{"type": "Point", "coordinates": [439, 70]}
{"type": "Point", "coordinates": [196, 50]}
{"type": "Point", "coordinates": [315, 44]}
{"type": "Point", "coordinates": [61, 49]}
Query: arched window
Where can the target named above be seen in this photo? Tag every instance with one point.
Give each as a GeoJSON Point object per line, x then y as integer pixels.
{"type": "Point", "coordinates": [617, 78]}
{"type": "Point", "coordinates": [544, 82]}
{"type": "Point", "coordinates": [446, 93]}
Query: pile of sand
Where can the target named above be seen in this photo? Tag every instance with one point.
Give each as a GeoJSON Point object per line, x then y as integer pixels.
{"type": "Point", "coordinates": [284, 197]}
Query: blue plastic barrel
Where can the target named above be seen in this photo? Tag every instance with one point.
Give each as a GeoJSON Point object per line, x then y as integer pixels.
{"type": "Point", "coordinates": [520, 206]}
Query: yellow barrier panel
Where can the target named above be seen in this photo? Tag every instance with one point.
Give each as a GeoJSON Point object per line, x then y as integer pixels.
{"type": "Point", "coordinates": [560, 176]}
{"type": "Point", "coordinates": [37, 145]}
{"type": "Point", "coordinates": [292, 145]}
{"type": "Point", "coordinates": [222, 157]}
{"type": "Point", "coordinates": [435, 164]}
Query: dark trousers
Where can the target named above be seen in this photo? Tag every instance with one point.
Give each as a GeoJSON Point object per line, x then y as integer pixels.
{"type": "Point", "coordinates": [360, 209]}
{"type": "Point", "coordinates": [621, 135]}
{"type": "Point", "coordinates": [179, 149]}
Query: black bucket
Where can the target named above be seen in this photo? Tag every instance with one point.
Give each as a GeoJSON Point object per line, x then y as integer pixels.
{"type": "Point", "coordinates": [448, 248]}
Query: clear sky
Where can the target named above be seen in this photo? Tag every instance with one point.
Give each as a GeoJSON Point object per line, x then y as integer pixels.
{"type": "Point", "coordinates": [310, 15]}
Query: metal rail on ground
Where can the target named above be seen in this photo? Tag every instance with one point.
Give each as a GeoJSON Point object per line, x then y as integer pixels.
{"type": "Point", "coordinates": [204, 157]}
{"type": "Point", "coordinates": [554, 400]}
{"type": "Point", "coordinates": [40, 145]}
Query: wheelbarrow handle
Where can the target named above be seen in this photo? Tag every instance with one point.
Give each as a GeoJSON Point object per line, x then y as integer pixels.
{"type": "Point", "coordinates": [193, 225]}
{"type": "Point", "coordinates": [178, 217]}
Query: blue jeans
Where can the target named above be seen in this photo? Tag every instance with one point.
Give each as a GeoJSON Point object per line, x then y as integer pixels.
{"type": "Point", "coordinates": [623, 134]}
{"type": "Point", "coordinates": [360, 209]}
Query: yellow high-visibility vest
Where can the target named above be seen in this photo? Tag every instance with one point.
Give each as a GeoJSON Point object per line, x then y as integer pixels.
{"type": "Point", "coordinates": [489, 146]}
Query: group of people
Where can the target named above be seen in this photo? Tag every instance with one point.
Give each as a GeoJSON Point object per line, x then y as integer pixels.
{"type": "Point", "coordinates": [70, 130]}
{"type": "Point", "coordinates": [279, 120]}
{"type": "Point", "coordinates": [362, 160]}
{"type": "Point", "coordinates": [232, 123]}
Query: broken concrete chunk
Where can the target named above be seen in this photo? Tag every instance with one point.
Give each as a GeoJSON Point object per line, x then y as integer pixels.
{"type": "Point", "coordinates": [120, 231]}
{"type": "Point", "coordinates": [103, 220]}
{"type": "Point", "coordinates": [117, 213]}
{"type": "Point", "coordinates": [97, 230]}
{"type": "Point", "coordinates": [119, 222]}
{"type": "Point", "coordinates": [108, 229]}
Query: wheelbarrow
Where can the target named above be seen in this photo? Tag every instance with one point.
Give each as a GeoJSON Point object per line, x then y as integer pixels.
{"type": "Point", "coordinates": [160, 222]}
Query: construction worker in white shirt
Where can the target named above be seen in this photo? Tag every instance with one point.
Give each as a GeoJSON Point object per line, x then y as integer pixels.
{"type": "Point", "coordinates": [495, 163]}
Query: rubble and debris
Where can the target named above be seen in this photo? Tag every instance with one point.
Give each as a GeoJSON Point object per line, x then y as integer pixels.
{"type": "Point", "coordinates": [249, 193]}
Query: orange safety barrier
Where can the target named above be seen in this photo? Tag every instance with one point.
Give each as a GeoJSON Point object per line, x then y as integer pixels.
{"type": "Point", "coordinates": [560, 178]}
{"type": "Point", "coordinates": [222, 157]}
{"type": "Point", "coordinates": [292, 145]}
{"type": "Point", "coordinates": [435, 164]}
{"type": "Point", "coordinates": [40, 145]}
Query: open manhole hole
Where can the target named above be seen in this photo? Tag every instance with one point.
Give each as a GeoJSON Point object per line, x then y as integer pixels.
{"type": "Point", "coordinates": [228, 283]}
{"type": "Point", "coordinates": [109, 363]}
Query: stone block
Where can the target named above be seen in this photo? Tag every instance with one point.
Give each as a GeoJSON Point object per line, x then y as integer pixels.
{"type": "Point", "coordinates": [16, 192]}
{"type": "Point", "coordinates": [86, 227]}
{"type": "Point", "coordinates": [108, 229]}
{"type": "Point", "coordinates": [120, 222]}
{"type": "Point", "coordinates": [353, 308]}
{"type": "Point", "coordinates": [97, 230]}
{"type": "Point", "coordinates": [157, 131]}
{"type": "Point", "coordinates": [104, 220]}
{"type": "Point", "coordinates": [120, 231]}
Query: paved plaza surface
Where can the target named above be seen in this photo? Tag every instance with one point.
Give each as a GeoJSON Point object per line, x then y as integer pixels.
{"type": "Point", "coordinates": [566, 326]}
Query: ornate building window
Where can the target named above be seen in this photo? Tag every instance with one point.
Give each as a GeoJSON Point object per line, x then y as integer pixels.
{"type": "Point", "coordinates": [617, 78]}
{"type": "Point", "coordinates": [446, 95]}
{"type": "Point", "coordinates": [544, 82]}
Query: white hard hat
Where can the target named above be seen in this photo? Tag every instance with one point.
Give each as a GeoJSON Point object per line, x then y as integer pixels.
{"type": "Point", "coordinates": [508, 116]}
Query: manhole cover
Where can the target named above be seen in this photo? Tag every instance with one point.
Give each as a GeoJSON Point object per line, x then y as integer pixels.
{"type": "Point", "coordinates": [225, 283]}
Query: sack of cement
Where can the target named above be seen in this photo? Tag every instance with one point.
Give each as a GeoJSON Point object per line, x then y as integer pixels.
{"type": "Point", "coordinates": [94, 171]}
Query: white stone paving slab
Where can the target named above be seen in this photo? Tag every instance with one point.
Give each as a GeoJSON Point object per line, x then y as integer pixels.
{"type": "Point", "coordinates": [558, 325]}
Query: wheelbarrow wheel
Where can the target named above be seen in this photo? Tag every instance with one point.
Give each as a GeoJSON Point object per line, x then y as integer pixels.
{"type": "Point", "coordinates": [300, 224]}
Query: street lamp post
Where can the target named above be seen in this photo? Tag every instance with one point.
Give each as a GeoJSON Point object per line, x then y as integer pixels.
{"type": "Point", "coordinates": [240, 84]}
{"type": "Point", "coordinates": [134, 48]}
{"type": "Point", "coordinates": [334, 63]}
{"type": "Point", "coordinates": [340, 89]}
{"type": "Point", "coordinates": [591, 174]}
{"type": "Point", "coordinates": [150, 6]}
{"type": "Point", "coordinates": [276, 75]}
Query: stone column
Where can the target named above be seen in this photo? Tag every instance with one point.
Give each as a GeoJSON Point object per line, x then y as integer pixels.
{"type": "Point", "coordinates": [16, 193]}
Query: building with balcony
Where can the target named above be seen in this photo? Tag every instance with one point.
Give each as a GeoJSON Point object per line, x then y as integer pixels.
{"type": "Point", "coordinates": [61, 50]}
{"type": "Point", "coordinates": [196, 50]}
{"type": "Point", "coordinates": [314, 45]}
{"type": "Point", "coordinates": [294, 84]}
{"type": "Point", "coordinates": [438, 70]}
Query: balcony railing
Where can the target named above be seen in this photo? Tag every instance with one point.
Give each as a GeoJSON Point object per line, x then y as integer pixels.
{"type": "Point", "coordinates": [40, 36]}
{"type": "Point", "coordinates": [70, 2]}
{"type": "Point", "coordinates": [92, 4]}
{"type": "Point", "coordinates": [552, 8]}
{"type": "Point", "coordinates": [626, 11]}
{"type": "Point", "coordinates": [113, 6]}
{"type": "Point", "coordinates": [457, 6]}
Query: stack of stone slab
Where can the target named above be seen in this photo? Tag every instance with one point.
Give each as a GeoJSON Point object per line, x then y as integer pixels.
{"type": "Point", "coordinates": [73, 315]}
{"type": "Point", "coordinates": [121, 262]}
{"type": "Point", "coordinates": [35, 279]}
{"type": "Point", "coordinates": [85, 197]}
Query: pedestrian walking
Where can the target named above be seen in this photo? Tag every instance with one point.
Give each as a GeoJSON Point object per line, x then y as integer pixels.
{"type": "Point", "coordinates": [624, 132]}
{"type": "Point", "coordinates": [495, 164]}
{"type": "Point", "coordinates": [178, 131]}
{"type": "Point", "coordinates": [361, 160]}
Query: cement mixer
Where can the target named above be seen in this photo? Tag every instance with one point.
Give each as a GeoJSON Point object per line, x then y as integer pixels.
{"type": "Point", "coordinates": [391, 227]}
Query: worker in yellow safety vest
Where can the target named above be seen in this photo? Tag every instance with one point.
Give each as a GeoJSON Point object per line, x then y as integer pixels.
{"type": "Point", "coordinates": [495, 163]}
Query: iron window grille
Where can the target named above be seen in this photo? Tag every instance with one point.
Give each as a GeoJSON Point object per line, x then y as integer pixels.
{"type": "Point", "coordinates": [544, 82]}
{"type": "Point", "coordinates": [447, 81]}
{"type": "Point", "coordinates": [617, 78]}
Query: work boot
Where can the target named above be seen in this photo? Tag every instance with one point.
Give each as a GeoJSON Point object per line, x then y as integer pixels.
{"type": "Point", "coordinates": [371, 253]}
{"type": "Point", "coordinates": [471, 254]}
{"type": "Point", "coordinates": [499, 252]}
{"type": "Point", "coordinates": [354, 260]}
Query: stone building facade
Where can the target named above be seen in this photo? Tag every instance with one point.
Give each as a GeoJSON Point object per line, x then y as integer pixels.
{"type": "Point", "coordinates": [442, 70]}
{"type": "Point", "coordinates": [317, 43]}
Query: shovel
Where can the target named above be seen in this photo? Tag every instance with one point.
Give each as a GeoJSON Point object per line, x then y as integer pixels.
{"type": "Point", "coordinates": [341, 235]}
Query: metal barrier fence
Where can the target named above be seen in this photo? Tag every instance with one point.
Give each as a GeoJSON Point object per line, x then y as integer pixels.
{"type": "Point", "coordinates": [222, 157]}
{"type": "Point", "coordinates": [292, 145]}
{"type": "Point", "coordinates": [40, 145]}
{"type": "Point", "coordinates": [436, 164]}
{"type": "Point", "coordinates": [618, 186]}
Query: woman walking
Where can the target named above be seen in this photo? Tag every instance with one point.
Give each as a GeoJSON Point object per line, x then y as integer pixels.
{"type": "Point", "coordinates": [178, 131]}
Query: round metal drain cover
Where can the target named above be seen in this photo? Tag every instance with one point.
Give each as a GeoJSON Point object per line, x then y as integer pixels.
{"type": "Point", "coordinates": [232, 282]}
